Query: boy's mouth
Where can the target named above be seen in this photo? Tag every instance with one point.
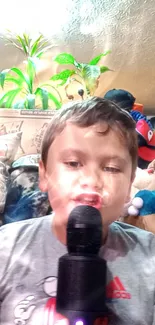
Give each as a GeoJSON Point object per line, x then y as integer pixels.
{"type": "Point", "coordinates": [92, 199]}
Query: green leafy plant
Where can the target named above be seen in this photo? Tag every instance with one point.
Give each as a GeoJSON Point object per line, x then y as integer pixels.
{"type": "Point", "coordinates": [22, 83]}
{"type": "Point", "coordinates": [86, 74]}
{"type": "Point", "coordinates": [26, 44]}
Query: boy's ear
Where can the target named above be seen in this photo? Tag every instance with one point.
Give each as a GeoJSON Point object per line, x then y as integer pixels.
{"type": "Point", "coordinates": [42, 177]}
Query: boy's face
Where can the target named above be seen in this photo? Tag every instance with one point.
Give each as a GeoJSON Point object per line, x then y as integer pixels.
{"type": "Point", "coordinates": [85, 167]}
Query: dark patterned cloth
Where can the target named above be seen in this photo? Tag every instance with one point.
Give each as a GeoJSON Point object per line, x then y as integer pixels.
{"type": "Point", "coordinates": [24, 199]}
{"type": "Point", "coordinates": [3, 187]}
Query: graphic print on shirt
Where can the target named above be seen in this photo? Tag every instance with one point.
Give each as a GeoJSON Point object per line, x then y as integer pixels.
{"type": "Point", "coordinates": [23, 312]}
{"type": "Point", "coordinates": [25, 308]}
{"type": "Point", "coordinates": [116, 290]}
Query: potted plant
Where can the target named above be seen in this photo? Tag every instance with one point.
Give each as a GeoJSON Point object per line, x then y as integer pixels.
{"type": "Point", "coordinates": [17, 105]}
{"type": "Point", "coordinates": [86, 74]}
{"type": "Point", "coordinates": [23, 93]}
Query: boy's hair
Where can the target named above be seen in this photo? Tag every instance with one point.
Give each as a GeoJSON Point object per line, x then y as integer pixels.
{"type": "Point", "coordinates": [87, 113]}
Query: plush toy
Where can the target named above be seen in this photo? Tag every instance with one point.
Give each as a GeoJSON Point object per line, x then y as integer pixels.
{"type": "Point", "coordinates": [124, 99]}
{"type": "Point", "coordinates": [144, 179]}
{"type": "Point", "coordinates": [145, 130]}
{"type": "Point", "coordinates": [146, 139]}
{"type": "Point", "coordinates": [140, 211]}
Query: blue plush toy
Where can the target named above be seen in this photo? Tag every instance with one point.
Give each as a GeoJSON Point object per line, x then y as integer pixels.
{"type": "Point", "coordinates": [142, 211]}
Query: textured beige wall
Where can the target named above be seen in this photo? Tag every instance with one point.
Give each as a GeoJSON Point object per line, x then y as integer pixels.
{"type": "Point", "coordinates": [86, 28]}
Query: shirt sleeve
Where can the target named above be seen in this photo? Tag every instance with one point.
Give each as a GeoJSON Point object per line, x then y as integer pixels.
{"type": "Point", "coordinates": [8, 238]}
{"type": "Point", "coordinates": [5, 255]}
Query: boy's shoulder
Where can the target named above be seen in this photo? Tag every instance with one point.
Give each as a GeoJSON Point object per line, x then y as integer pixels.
{"type": "Point", "coordinates": [22, 230]}
{"type": "Point", "coordinates": [128, 243]}
{"type": "Point", "coordinates": [129, 230]}
{"type": "Point", "coordinates": [131, 236]}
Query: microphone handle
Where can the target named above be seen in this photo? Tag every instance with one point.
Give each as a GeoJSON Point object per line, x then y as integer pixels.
{"type": "Point", "coordinates": [81, 289]}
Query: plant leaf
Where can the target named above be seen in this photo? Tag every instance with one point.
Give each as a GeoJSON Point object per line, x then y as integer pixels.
{"type": "Point", "coordinates": [22, 42]}
{"type": "Point", "coordinates": [64, 75]}
{"type": "Point", "coordinates": [35, 46]}
{"type": "Point", "coordinates": [31, 71]}
{"type": "Point", "coordinates": [104, 69]}
{"type": "Point", "coordinates": [43, 93]}
{"type": "Point", "coordinates": [44, 47]}
{"type": "Point", "coordinates": [3, 75]}
{"type": "Point", "coordinates": [35, 61]}
{"type": "Point", "coordinates": [43, 44]}
{"type": "Point", "coordinates": [78, 65]}
{"type": "Point", "coordinates": [64, 58]}
{"type": "Point", "coordinates": [53, 88]}
{"type": "Point", "coordinates": [39, 54]}
{"type": "Point", "coordinates": [23, 78]}
{"type": "Point", "coordinates": [26, 39]}
{"type": "Point", "coordinates": [8, 98]}
{"type": "Point", "coordinates": [96, 60]}
{"type": "Point", "coordinates": [55, 100]}
{"type": "Point", "coordinates": [15, 80]}
{"type": "Point", "coordinates": [91, 74]}
{"type": "Point", "coordinates": [30, 99]}
{"type": "Point", "coordinates": [21, 75]}
{"type": "Point", "coordinates": [50, 96]}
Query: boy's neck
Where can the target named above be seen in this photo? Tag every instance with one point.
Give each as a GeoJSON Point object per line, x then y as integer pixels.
{"type": "Point", "coordinates": [59, 230]}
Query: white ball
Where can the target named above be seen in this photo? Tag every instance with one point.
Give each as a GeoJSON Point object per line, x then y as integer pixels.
{"type": "Point", "coordinates": [137, 202]}
{"type": "Point", "coordinates": [132, 211]}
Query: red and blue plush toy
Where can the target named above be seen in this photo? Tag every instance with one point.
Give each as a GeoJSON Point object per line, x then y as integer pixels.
{"type": "Point", "coordinates": [144, 128]}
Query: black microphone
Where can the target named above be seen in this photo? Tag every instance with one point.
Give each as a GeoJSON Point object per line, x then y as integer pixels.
{"type": "Point", "coordinates": [81, 288]}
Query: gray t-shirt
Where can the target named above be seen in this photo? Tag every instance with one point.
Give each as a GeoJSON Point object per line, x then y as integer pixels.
{"type": "Point", "coordinates": [29, 254]}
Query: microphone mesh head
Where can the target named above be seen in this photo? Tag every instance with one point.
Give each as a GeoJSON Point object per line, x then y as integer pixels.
{"type": "Point", "coordinates": [84, 230]}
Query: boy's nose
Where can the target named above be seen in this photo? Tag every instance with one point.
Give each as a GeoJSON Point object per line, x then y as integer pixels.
{"type": "Point", "coordinates": [91, 180]}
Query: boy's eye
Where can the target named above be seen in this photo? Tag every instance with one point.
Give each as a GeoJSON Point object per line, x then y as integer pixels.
{"type": "Point", "coordinates": [73, 164]}
{"type": "Point", "coordinates": [113, 170]}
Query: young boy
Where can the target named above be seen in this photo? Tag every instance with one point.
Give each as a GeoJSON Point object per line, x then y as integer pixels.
{"type": "Point", "coordinates": [89, 156]}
